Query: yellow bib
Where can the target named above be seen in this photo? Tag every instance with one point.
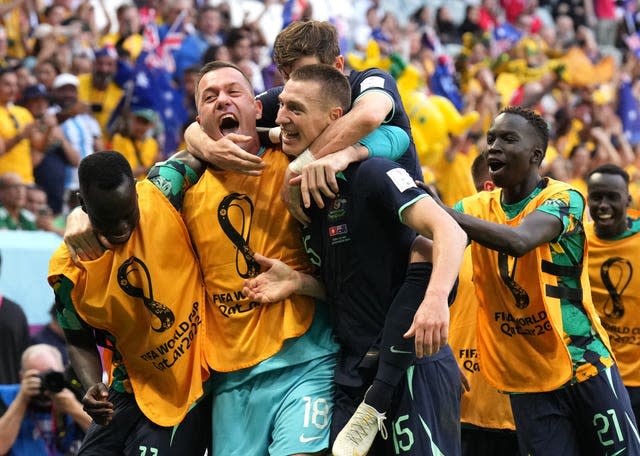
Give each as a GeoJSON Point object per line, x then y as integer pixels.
{"type": "Point", "coordinates": [520, 332]}
{"type": "Point", "coordinates": [149, 294]}
{"type": "Point", "coordinates": [616, 296]}
{"type": "Point", "coordinates": [483, 405]}
{"type": "Point", "coordinates": [230, 216]}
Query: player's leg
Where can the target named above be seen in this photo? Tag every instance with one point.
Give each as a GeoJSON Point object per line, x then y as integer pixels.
{"type": "Point", "coordinates": [544, 423]}
{"type": "Point", "coordinates": [302, 424]}
{"type": "Point", "coordinates": [396, 355]}
{"type": "Point", "coordinates": [605, 417]}
{"type": "Point", "coordinates": [192, 436]}
{"type": "Point", "coordinates": [477, 441]}
{"type": "Point", "coordinates": [425, 417]}
{"type": "Point", "coordinates": [110, 439]}
{"type": "Point", "coordinates": [634, 397]}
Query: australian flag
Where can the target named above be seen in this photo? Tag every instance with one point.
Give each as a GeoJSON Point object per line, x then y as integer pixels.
{"type": "Point", "coordinates": [629, 112]}
{"type": "Point", "coordinates": [443, 83]}
{"type": "Point", "coordinates": [149, 85]}
{"type": "Point", "coordinates": [505, 36]}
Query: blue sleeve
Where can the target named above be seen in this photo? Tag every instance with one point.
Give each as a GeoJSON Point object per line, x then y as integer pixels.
{"type": "Point", "coordinates": [387, 142]}
{"type": "Point", "coordinates": [459, 207]}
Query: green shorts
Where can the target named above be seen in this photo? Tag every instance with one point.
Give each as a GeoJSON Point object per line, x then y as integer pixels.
{"type": "Point", "coordinates": [280, 412]}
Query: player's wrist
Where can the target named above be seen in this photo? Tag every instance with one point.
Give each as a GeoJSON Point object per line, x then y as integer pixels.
{"type": "Point", "coordinates": [301, 161]}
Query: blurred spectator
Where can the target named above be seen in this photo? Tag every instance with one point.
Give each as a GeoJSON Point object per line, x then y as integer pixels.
{"type": "Point", "coordinates": [445, 27]}
{"type": "Point", "coordinates": [239, 44]}
{"type": "Point", "coordinates": [16, 128]}
{"type": "Point", "coordinates": [363, 32]}
{"type": "Point", "coordinates": [45, 72]}
{"type": "Point", "coordinates": [189, 91]}
{"type": "Point", "coordinates": [80, 128]}
{"type": "Point", "coordinates": [14, 338]}
{"type": "Point", "coordinates": [601, 16]}
{"type": "Point", "coordinates": [52, 334]}
{"type": "Point", "coordinates": [86, 14]}
{"type": "Point", "coordinates": [470, 23]}
{"type": "Point", "coordinates": [13, 15]}
{"type": "Point", "coordinates": [127, 40]}
{"type": "Point", "coordinates": [489, 14]}
{"type": "Point", "coordinates": [51, 152]}
{"type": "Point", "coordinates": [37, 205]}
{"type": "Point", "coordinates": [136, 144]}
{"type": "Point", "coordinates": [207, 33]}
{"type": "Point", "coordinates": [41, 415]}
{"type": "Point", "coordinates": [13, 197]}
{"type": "Point", "coordinates": [99, 90]}
{"type": "Point", "coordinates": [216, 53]}
{"type": "Point", "coordinates": [82, 62]}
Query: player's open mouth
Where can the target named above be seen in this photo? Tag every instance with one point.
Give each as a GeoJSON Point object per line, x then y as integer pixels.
{"type": "Point", "coordinates": [228, 124]}
{"type": "Point", "coordinates": [289, 135]}
{"type": "Point", "coordinates": [495, 165]}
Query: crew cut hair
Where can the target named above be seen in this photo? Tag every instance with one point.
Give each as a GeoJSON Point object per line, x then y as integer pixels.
{"type": "Point", "coordinates": [334, 85]}
{"type": "Point", "coordinates": [104, 170]}
{"type": "Point", "coordinates": [534, 119]}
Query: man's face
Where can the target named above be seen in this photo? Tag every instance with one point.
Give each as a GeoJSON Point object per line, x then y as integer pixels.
{"type": "Point", "coordinates": [511, 145]}
{"type": "Point", "coordinates": [304, 113]}
{"type": "Point", "coordinates": [8, 87]}
{"type": "Point", "coordinates": [608, 198]}
{"type": "Point", "coordinates": [66, 95]}
{"type": "Point", "coordinates": [13, 192]}
{"type": "Point", "coordinates": [113, 214]}
{"type": "Point", "coordinates": [105, 67]}
{"type": "Point", "coordinates": [225, 103]}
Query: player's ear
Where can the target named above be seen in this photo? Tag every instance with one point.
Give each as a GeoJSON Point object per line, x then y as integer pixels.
{"type": "Point", "coordinates": [335, 113]}
{"type": "Point", "coordinates": [537, 156]}
{"type": "Point", "coordinates": [258, 108]}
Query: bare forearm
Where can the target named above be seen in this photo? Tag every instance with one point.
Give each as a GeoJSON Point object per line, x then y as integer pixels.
{"type": "Point", "coordinates": [86, 364]}
{"type": "Point", "coordinates": [491, 235]}
{"type": "Point", "coordinates": [195, 140]}
{"type": "Point", "coordinates": [309, 285]}
{"type": "Point", "coordinates": [10, 423]}
{"type": "Point", "coordinates": [448, 251]}
{"type": "Point", "coordinates": [81, 417]}
{"type": "Point", "coordinates": [365, 116]}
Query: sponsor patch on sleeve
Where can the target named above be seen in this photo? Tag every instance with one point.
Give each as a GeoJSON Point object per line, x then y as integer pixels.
{"type": "Point", "coordinates": [401, 179]}
{"type": "Point", "coordinates": [372, 82]}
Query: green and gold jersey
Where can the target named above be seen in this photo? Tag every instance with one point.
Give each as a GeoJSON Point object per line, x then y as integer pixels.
{"type": "Point", "coordinates": [589, 353]}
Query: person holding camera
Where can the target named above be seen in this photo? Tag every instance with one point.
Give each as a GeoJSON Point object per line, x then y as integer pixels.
{"type": "Point", "coordinates": [41, 415]}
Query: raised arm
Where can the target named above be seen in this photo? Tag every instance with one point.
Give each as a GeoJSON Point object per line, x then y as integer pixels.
{"type": "Point", "coordinates": [536, 228]}
{"type": "Point", "coordinates": [223, 153]}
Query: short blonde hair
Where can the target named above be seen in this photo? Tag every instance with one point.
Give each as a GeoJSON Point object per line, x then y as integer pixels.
{"type": "Point", "coordinates": [37, 349]}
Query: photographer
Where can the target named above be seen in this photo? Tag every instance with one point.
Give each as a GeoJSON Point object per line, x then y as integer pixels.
{"type": "Point", "coordinates": [41, 416]}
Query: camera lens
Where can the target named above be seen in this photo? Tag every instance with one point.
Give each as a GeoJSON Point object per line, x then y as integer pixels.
{"type": "Point", "coordinates": [52, 381]}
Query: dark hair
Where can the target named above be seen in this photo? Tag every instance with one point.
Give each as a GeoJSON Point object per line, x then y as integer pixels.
{"type": "Point", "coordinates": [306, 38]}
{"type": "Point", "coordinates": [235, 35]}
{"type": "Point", "coordinates": [105, 170]}
{"type": "Point", "coordinates": [611, 169]}
{"type": "Point", "coordinates": [333, 84]}
{"type": "Point", "coordinates": [479, 170]}
{"type": "Point", "coordinates": [534, 119]}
